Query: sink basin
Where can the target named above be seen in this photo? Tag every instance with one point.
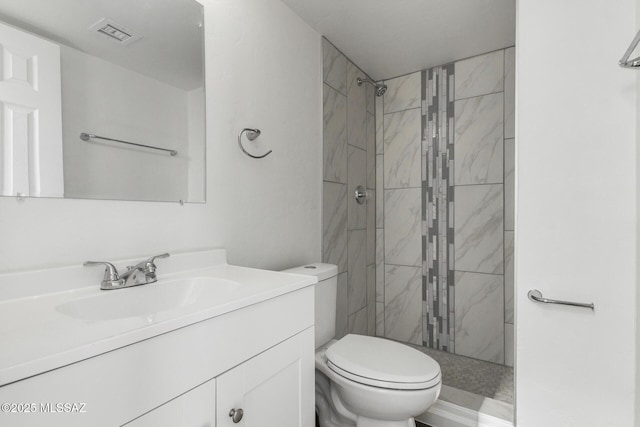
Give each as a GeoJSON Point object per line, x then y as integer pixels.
{"type": "Point", "coordinates": [148, 300]}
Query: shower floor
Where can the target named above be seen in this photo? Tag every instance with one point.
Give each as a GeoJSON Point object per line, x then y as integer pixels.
{"type": "Point", "coordinates": [475, 376]}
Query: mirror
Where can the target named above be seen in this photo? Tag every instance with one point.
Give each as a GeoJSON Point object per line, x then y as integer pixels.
{"type": "Point", "coordinates": [102, 99]}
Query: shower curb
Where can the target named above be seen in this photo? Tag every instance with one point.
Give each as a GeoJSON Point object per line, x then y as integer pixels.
{"type": "Point", "coordinates": [446, 414]}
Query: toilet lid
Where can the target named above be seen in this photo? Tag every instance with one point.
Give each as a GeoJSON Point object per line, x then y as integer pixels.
{"type": "Point", "coordinates": [382, 363]}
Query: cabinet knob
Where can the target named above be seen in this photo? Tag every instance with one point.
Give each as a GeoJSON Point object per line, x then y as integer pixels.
{"type": "Point", "coordinates": [236, 415]}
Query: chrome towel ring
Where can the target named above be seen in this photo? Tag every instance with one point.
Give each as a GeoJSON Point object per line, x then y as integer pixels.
{"type": "Point", "coordinates": [252, 135]}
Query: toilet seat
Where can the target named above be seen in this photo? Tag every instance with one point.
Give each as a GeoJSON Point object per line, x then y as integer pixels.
{"type": "Point", "coordinates": [382, 363]}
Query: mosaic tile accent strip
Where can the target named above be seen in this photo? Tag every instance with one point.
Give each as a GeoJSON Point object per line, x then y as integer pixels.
{"type": "Point", "coordinates": [437, 207]}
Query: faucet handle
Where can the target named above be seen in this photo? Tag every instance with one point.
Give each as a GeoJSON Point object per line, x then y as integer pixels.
{"type": "Point", "coordinates": [150, 266]}
{"type": "Point", "coordinates": [153, 258]}
{"type": "Point", "coordinates": [111, 278]}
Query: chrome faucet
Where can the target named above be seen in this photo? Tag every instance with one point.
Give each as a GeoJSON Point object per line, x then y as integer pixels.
{"type": "Point", "coordinates": [141, 274]}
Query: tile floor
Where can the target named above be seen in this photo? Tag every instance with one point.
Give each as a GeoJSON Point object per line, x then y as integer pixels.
{"type": "Point", "coordinates": [475, 376]}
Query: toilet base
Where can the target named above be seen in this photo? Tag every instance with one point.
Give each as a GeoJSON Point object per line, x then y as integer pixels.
{"type": "Point", "coordinates": [331, 411]}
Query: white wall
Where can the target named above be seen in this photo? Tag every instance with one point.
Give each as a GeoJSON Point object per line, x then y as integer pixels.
{"type": "Point", "coordinates": [264, 70]}
{"type": "Point", "coordinates": [576, 213]}
{"type": "Point", "coordinates": [105, 99]}
{"type": "Point", "coordinates": [197, 146]}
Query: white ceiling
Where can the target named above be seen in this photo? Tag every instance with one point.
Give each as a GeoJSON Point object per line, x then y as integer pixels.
{"type": "Point", "coordinates": [170, 49]}
{"type": "Point", "coordinates": [388, 38]}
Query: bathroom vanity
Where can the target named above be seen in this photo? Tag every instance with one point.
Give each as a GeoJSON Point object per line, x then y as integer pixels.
{"type": "Point", "coordinates": [209, 344]}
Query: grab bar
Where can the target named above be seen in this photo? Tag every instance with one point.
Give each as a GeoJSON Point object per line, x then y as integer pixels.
{"type": "Point", "coordinates": [87, 136]}
{"type": "Point", "coordinates": [536, 296]}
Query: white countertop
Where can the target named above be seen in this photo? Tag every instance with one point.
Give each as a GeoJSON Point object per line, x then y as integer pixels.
{"type": "Point", "coordinates": [37, 335]}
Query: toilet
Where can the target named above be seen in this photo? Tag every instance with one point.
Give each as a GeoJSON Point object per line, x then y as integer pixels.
{"type": "Point", "coordinates": [365, 381]}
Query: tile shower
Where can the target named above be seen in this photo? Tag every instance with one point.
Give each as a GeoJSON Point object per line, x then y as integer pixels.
{"type": "Point", "coordinates": [445, 208]}
{"type": "Point", "coordinates": [428, 259]}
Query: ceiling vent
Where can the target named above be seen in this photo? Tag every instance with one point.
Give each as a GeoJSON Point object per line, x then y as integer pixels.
{"type": "Point", "coordinates": [115, 32]}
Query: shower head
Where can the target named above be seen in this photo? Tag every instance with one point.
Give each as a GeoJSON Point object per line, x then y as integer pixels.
{"type": "Point", "coordinates": [380, 88]}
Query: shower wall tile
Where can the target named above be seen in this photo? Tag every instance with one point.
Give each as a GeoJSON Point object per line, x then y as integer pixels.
{"type": "Point", "coordinates": [509, 183]}
{"type": "Point", "coordinates": [371, 151]}
{"type": "Point", "coordinates": [479, 75]}
{"type": "Point", "coordinates": [403, 227]}
{"type": "Point", "coordinates": [371, 300]}
{"type": "Point", "coordinates": [510, 93]}
{"type": "Point", "coordinates": [334, 135]}
{"type": "Point", "coordinates": [479, 140]}
{"type": "Point", "coordinates": [358, 322]}
{"type": "Point", "coordinates": [402, 147]}
{"type": "Point", "coordinates": [357, 268]}
{"type": "Point", "coordinates": [403, 93]}
{"type": "Point", "coordinates": [379, 191]}
{"type": "Point", "coordinates": [357, 175]}
{"type": "Point", "coordinates": [380, 319]}
{"type": "Point", "coordinates": [509, 285]}
{"type": "Point", "coordinates": [334, 67]}
{"type": "Point", "coordinates": [356, 108]}
{"type": "Point", "coordinates": [371, 99]}
{"type": "Point", "coordinates": [479, 320]}
{"type": "Point", "coordinates": [371, 228]}
{"type": "Point", "coordinates": [379, 125]}
{"type": "Point", "coordinates": [479, 229]}
{"type": "Point", "coordinates": [334, 224]}
{"type": "Point", "coordinates": [342, 315]}
{"type": "Point", "coordinates": [509, 349]}
{"type": "Point", "coordinates": [380, 265]}
{"type": "Point", "coordinates": [403, 303]}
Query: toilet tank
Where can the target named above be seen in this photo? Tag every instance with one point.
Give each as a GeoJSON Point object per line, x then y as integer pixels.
{"type": "Point", "coordinates": [325, 292]}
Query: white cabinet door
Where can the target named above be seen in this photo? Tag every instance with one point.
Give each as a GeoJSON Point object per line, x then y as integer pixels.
{"type": "Point", "coordinates": [275, 388]}
{"type": "Point", "coordinates": [30, 115]}
{"type": "Point", "coordinates": [196, 408]}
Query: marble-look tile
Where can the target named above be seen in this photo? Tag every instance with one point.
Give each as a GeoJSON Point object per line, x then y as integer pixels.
{"type": "Point", "coordinates": [371, 228]}
{"type": "Point", "coordinates": [342, 314]}
{"type": "Point", "coordinates": [371, 151]}
{"type": "Point", "coordinates": [403, 93]}
{"type": "Point", "coordinates": [371, 300]}
{"type": "Point", "coordinates": [334, 224]}
{"type": "Point", "coordinates": [478, 140]}
{"type": "Point", "coordinates": [402, 149]}
{"type": "Point", "coordinates": [334, 66]}
{"type": "Point", "coordinates": [380, 319]}
{"type": "Point", "coordinates": [509, 349]}
{"type": "Point", "coordinates": [478, 319]}
{"type": "Point", "coordinates": [379, 125]}
{"type": "Point", "coordinates": [509, 284]}
{"type": "Point", "coordinates": [403, 303]}
{"type": "Point", "coordinates": [357, 175]}
{"type": "Point", "coordinates": [358, 322]}
{"type": "Point", "coordinates": [402, 227]}
{"type": "Point", "coordinates": [479, 75]}
{"type": "Point", "coordinates": [510, 92]}
{"type": "Point", "coordinates": [379, 246]}
{"type": "Point", "coordinates": [379, 265]}
{"type": "Point", "coordinates": [370, 93]}
{"type": "Point", "coordinates": [379, 191]}
{"type": "Point", "coordinates": [509, 183]}
{"type": "Point", "coordinates": [334, 135]}
{"type": "Point", "coordinates": [356, 108]}
{"type": "Point", "coordinates": [357, 289]}
{"type": "Point", "coordinates": [478, 235]}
